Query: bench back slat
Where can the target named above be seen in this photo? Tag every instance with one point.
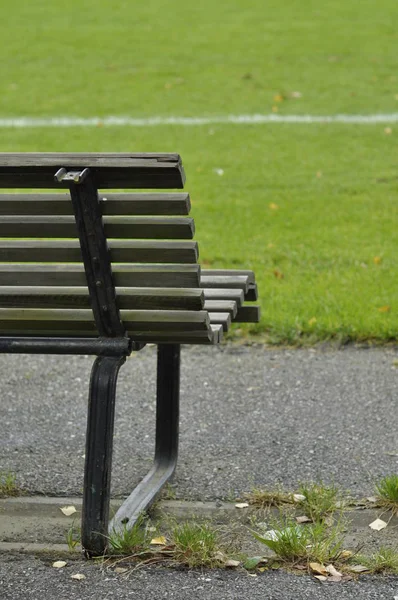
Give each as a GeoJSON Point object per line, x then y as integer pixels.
{"type": "Point", "coordinates": [115, 227]}
{"type": "Point", "coordinates": [124, 275]}
{"type": "Point", "coordinates": [111, 204]}
{"type": "Point", "coordinates": [121, 251]}
{"type": "Point", "coordinates": [78, 297]}
{"type": "Point", "coordinates": [110, 171]}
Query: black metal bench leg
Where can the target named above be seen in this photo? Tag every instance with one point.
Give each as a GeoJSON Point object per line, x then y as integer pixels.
{"type": "Point", "coordinates": [166, 449]}
{"type": "Point", "coordinates": [99, 442]}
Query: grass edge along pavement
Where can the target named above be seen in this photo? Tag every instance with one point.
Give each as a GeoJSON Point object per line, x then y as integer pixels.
{"type": "Point", "coordinates": [292, 539]}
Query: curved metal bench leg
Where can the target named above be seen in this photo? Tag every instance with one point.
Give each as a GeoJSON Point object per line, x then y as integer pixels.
{"type": "Point", "coordinates": [98, 462]}
{"type": "Point", "coordinates": [166, 449]}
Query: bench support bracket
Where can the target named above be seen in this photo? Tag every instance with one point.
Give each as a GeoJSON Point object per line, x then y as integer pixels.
{"type": "Point", "coordinates": [166, 447]}
{"type": "Point", "coordinates": [98, 461]}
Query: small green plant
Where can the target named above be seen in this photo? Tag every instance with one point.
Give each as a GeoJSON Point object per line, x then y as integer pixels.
{"type": "Point", "coordinates": [8, 485]}
{"type": "Point", "coordinates": [72, 537]}
{"type": "Point", "coordinates": [384, 560]}
{"type": "Point", "coordinates": [267, 498]}
{"type": "Point", "coordinates": [303, 543]}
{"type": "Point", "coordinates": [130, 540]}
{"type": "Point", "coordinates": [320, 500]}
{"type": "Point", "coordinates": [387, 490]}
{"type": "Point", "coordinates": [195, 544]}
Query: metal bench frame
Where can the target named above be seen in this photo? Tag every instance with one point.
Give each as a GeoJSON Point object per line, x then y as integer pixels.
{"type": "Point", "coordinates": [111, 349]}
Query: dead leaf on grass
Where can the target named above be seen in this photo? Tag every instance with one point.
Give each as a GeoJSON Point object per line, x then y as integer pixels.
{"type": "Point", "coordinates": [358, 569]}
{"type": "Point", "coordinates": [78, 576]}
{"type": "Point", "coordinates": [298, 497]}
{"type": "Point", "coordinates": [159, 541]}
{"type": "Point", "coordinates": [241, 505]}
{"type": "Point", "coordinates": [331, 569]}
{"type": "Point", "coordinates": [303, 519]}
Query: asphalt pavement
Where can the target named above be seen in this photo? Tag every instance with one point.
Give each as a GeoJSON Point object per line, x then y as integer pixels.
{"type": "Point", "coordinates": [250, 416]}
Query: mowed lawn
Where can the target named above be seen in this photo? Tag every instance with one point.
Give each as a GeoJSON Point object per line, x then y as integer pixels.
{"type": "Point", "coordinates": [312, 208]}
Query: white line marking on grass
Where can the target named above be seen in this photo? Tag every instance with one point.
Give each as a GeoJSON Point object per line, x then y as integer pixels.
{"type": "Point", "coordinates": [111, 121]}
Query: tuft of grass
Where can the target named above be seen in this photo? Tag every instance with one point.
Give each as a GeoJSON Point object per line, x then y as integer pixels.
{"type": "Point", "coordinates": [8, 485]}
{"type": "Point", "coordinates": [267, 498]}
{"type": "Point", "coordinates": [387, 491]}
{"type": "Point", "coordinates": [72, 537]}
{"type": "Point", "coordinates": [293, 543]}
{"type": "Point", "coordinates": [195, 544]}
{"type": "Point", "coordinates": [320, 500]}
{"type": "Point", "coordinates": [133, 540]}
{"type": "Point", "coordinates": [383, 561]}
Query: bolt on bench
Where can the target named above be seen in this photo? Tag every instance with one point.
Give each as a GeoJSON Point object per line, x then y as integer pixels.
{"type": "Point", "coordinates": [89, 272]}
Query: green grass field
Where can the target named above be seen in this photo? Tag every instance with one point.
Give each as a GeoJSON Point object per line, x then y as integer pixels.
{"type": "Point", "coordinates": [310, 207]}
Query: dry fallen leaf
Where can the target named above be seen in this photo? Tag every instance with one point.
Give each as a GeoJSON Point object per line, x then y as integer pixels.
{"type": "Point", "coordinates": [230, 562]}
{"type": "Point", "coordinates": [241, 505]}
{"type": "Point", "coordinates": [384, 309]}
{"type": "Point", "coordinates": [320, 577]}
{"type": "Point", "coordinates": [345, 554]}
{"type": "Point", "coordinates": [68, 510]}
{"type": "Point", "coordinates": [318, 568]}
{"type": "Point", "coordinates": [358, 569]}
{"type": "Point", "coordinates": [378, 525]}
{"type": "Point", "coordinates": [371, 499]}
{"type": "Point", "coordinates": [278, 274]}
{"type": "Point", "coordinates": [330, 569]}
{"type": "Point", "coordinates": [120, 570]}
{"type": "Point", "coordinates": [298, 497]}
{"type": "Point", "coordinates": [159, 541]}
{"type": "Point", "coordinates": [273, 206]}
{"type": "Point", "coordinates": [58, 564]}
{"type": "Point", "coordinates": [303, 519]}
{"type": "Point", "coordinates": [78, 576]}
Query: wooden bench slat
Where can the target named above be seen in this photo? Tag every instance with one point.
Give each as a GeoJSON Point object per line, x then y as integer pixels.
{"type": "Point", "coordinates": [81, 321]}
{"type": "Point", "coordinates": [37, 170]}
{"type": "Point", "coordinates": [231, 273]}
{"type": "Point", "coordinates": [220, 318]}
{"type": "Point", "coordinates": [228, 306]}
{"type": "Point", "coordinates": [124, 275]}
{"type": "Point", "coordinates": [252, 293]}
{"type": "Point", "coordinates": [224, 281]}
{"type": "Point", "coordinates": [234, 295]}
{"type": "Point", "coordinates": [135, 251]}
{"type": "Point", "coordinates": [115, 227]}
{"type": "Point", "coordinates": [78, 297]}
{"type": "Point", "coordinates": [248, 314]}
{"type": "Point", "coordinates": [111, 204]}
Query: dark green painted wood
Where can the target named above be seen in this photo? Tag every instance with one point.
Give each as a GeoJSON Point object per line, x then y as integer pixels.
{"type": "Point", "coordinates": [252, 293]}
{"type": "Point", "coordinates": [220, 318]}
{"type": "Point", "coordinates": [81, 320]}
{"type": "Point", "coordinates": [115, 227]}
{"type": "Point", "coordinates": [228, 306]}
{"type": "Point", "coordinates": [111, 204]}
{"type": "Point", "coordinates": [248, 314]}
{"type": "Point", "coordinates": [37, 170]}
{"type": "Point", "coordinates": [135, 251]}
{"type": "Point", "coordinates": [224, 281]}
{"type": "Point", "coordinates": [224, 294]}
{"type": "Point", "coordinates": [127, 298]}
{"type": "Point", "coordinates": [124, 275]}
{"type": "Point", "coordinates": [230, 273]}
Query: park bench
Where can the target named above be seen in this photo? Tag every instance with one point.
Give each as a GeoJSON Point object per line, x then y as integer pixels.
{"type": "Point", "coordinates": [84, 271]}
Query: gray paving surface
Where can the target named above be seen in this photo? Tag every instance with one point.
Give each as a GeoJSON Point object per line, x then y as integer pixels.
{"type": "Point", "coordinates": [38, 580]}
{"type": "Point", "coordinates": [249, 416]}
